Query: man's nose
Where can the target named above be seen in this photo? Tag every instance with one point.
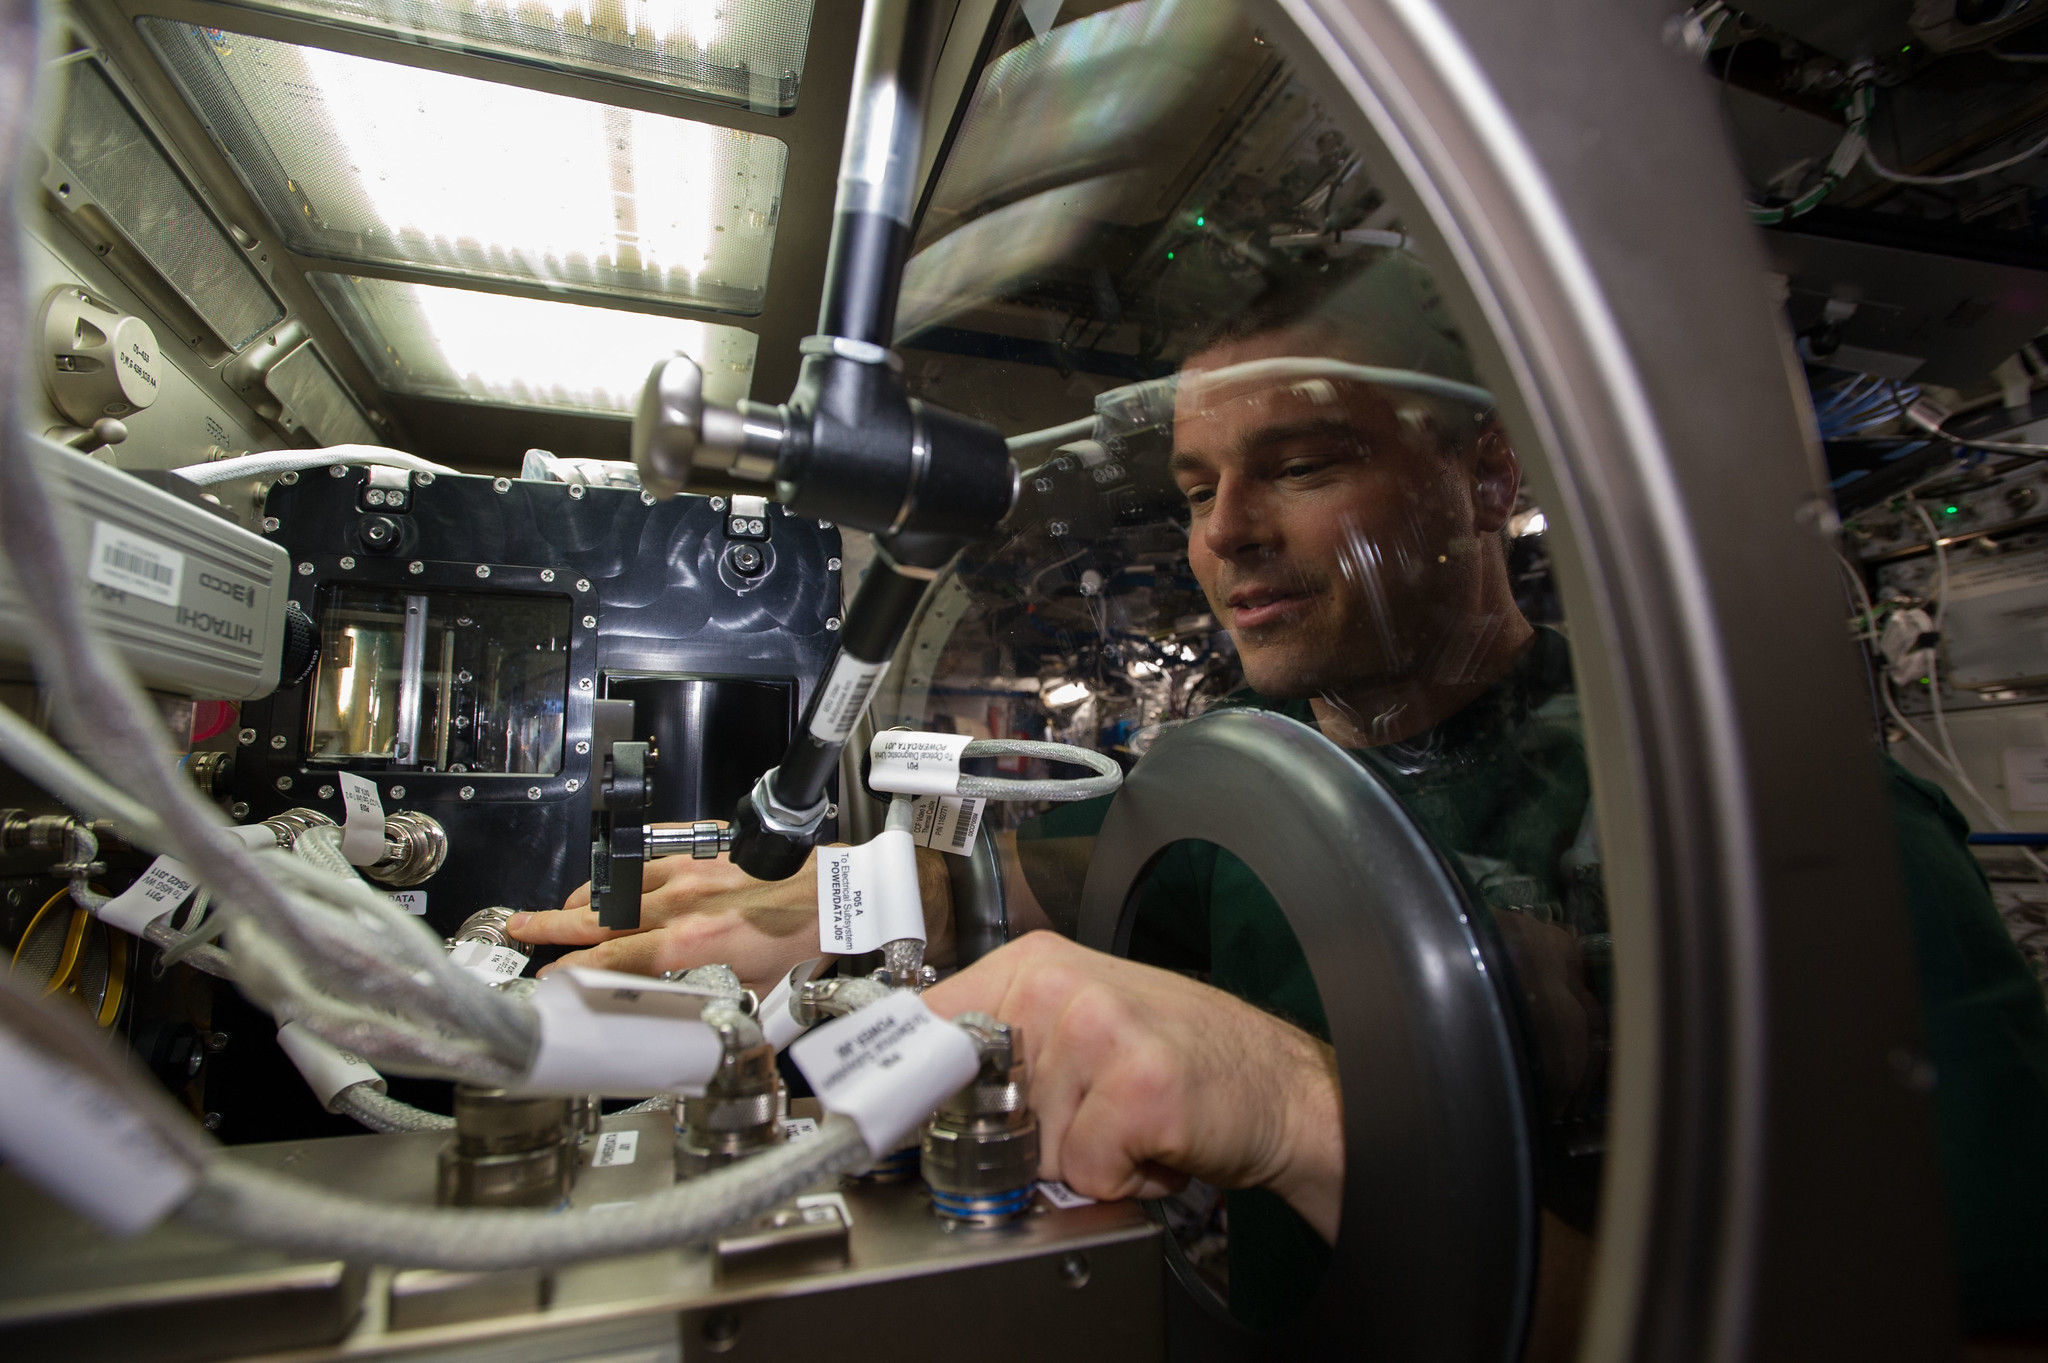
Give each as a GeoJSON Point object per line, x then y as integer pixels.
{"type": "Point", "coordinates": [1238, 522]}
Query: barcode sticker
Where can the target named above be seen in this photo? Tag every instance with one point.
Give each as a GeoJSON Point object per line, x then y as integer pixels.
{"type": "Point", "coordinates": [156, 892]}
{"type": "Point", "coordinates": [489, 963]}
{"type": "Point", "coordinates": [1061, 1196]}
{"type": "Point", "coordinates": [845, 697]}
{"type": "Point", "coordinates": [795, 1127]}
{"type": "Point", "coordinates": [947, 822]}
{"type": "Point", "coordinates": [868, 895]}
{"type": "Point", "coordinates": [362, 830]}
{"type": "Point", "coordinates": [129, 562]}
{"type": "Point", "coordinates": [615, 1147]}
{"type": "Point", "coordinates": [905, 763]}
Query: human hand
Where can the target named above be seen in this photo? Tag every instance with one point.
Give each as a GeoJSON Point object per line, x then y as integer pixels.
{"type": "Point", "coordinates": [707, 912]}
{"type": "Point", "coordinates": [1142, 1079]}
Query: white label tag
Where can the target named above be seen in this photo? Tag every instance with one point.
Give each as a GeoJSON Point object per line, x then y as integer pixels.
{"type": "Point", "coordinates": [809, 1200]}
{"type": "Point", "coordinates": [868, 895]}
{"type": "Point", "coordinates": [362, 831]}
{"type": "Point", "coordinates": [615, 1147]}
{"type": "Point", "coordinates": [2026, 780]}
{"type": "Point", "coordinates": [83, 1146]}
{"type": "Point", "coordinates": [947, 822]}
{"type": "Point", "coordinates": [128, 562]}
{"type": "Point", "coordinates": [795, 1128]}
{"type": "Point", "coordinates": [412, 901]}
{"type": "Point", "coordinates": [904, 763]}
{"type": "Point", "coordinates": [489, 962]}
{"type": "Point", "coordinates": [156, 892]}
{"type": "Point", "coordinates": [602, 1031]}
{"type": "Point", "coordinates": [327, 1069]}
{"type": "Point", "coordinates": [887, 1066]}
{"type": "Point", "coordinates": [1061, 1196]}
{"type": "Point", "coordinates": [845, 697]}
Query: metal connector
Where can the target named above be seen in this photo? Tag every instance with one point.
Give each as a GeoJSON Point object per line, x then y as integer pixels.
{"type": "Point", "coordinates": [415, 846]}
{"type": "Point", "coordinates": [701, 840]}
{"type": "Point", "coordinates": [980, 1153]}
{"type": "Point", "coordinates": [740, 1112]}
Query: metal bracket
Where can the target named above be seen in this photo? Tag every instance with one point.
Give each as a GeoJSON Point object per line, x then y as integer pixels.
{"type": "Point", "coordinates": [619, 848]}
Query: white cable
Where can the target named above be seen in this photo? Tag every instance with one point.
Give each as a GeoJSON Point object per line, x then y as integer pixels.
{"type": "Point", "coordinates": [1900, 178]}
{"type": "Point", "coordinates": [266, 462]}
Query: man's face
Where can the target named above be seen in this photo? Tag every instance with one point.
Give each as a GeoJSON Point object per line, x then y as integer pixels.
{"type": "Point", "coordinates": [1341, 545]}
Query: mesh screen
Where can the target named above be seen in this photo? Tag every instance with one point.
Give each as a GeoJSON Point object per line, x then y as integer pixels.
{"type": "Point", "coordinates": [42, 948]}
{"type": "Point", "coordinates": [301, 381]}
{"type": "Point", "coordinates": [750, 54]}
{"type": "Point", "coordinates": [480, 347]}
{"type": "Point", "coordinates": [109, 154]}
{"type": "Point", "coordinates": [368, 161]}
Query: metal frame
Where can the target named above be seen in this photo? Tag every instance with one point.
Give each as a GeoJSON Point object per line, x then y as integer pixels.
{"type": "Point", "coordinates": [1770, 1188]}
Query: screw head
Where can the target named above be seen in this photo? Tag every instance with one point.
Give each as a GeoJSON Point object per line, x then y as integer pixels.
{"type": "Point", "coordinates": [581, 747]}
{"type": "Point", "coordinates": [746, 559]}
{"type": "Point", "coordinates": [398, 792]}
{"type": "Point", "coordinates": [1074, 1270]}
{"type": "Point", "coordinates": [394, 498]}
{"type": "Point", "coordinates": [337, 470]}
{"type": "Point", "coordinates": [467, 792]}
{"type": "Point", "coordinates": [582, 584]}
{"type": "Point", "coordinates": [348, 561]}
{"type": "Point", "coordinates": [270, 524]}
{"type": "Point", "coordinates": [583, 683]}
{"type": "Point", "coordinates": [374, 497]}
{"type": "Point", "coordinates": [590, 622]}
{"type": "Point", "coordinates": [483, 570]}
{"type": "Point", "coordinates": [576, 491]}
{"type": "Point", "coordinates": [327, 792]}
{"type": "Point", "coordinates": [718, 503]}
{"type": "Point", "coordinates": [423, 480]}
{"type": "Point", "coordinates": [415, 567]}
{"type": "Point", "coordinates": [1056, 528]}
{"type": "Point", "coordinates": [284, 783]}
{"type": "Point", "coordinates": [572, 785]}
{"type": "Point", "coordinates": [646, 498]}
{"type": "Point", "coordinates": [277, 742]}
{"type": "Point", "coordinates": [464, 677]}
{"type": "Point", "coordinates": [288, 477]}
{"type": "Point", "coordinates": [547, 574]}
{"type": "Point", "coordinates": [833, 623]}
{"type": "Point", "coordinates": [246, 737]}
{"type": "Point", "coordinates": [305, 570]}
{"type": "Point", "coordinates": [501, 484]}
{"type": "Point", "coordinates": [239, 809]}
{"type": "Point", "coordinates": [533, 792]}
{"type": "Point", "coordinates": [831, 565]}
{"type": "Point", "coordinates": [831, 811]}
{"type": "Point", "coordinates": [211, 1121]}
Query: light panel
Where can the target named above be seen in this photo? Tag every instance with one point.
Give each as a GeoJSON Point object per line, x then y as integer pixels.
{"type": "Point", "coordinates": [481, 347]}
{"type": "Point", "coordinates": [368, 161]}
{"type": "Point", "coordinates": [744, 52]}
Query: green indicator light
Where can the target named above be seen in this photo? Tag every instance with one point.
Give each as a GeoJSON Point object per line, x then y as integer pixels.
{"type": "Point", "coordinates": [1950, 510]}
{"type": "Point", "coordinates": [1199, 220]}
{"type": "Point", "coordinates": [1169, 255]}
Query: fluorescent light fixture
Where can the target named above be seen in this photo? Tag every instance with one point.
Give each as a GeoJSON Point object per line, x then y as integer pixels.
{"type": "Point", "coordinates": [524, 352]}
{"type": "Point", "coordinates": [745, 52]}
{"type": "Point", "coordinates": [1068, 694]}
{"type": "Point", "coordinates": [372, 162]}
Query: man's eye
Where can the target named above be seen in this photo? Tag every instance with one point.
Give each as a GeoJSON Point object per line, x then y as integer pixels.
{"type": "Point", "coordinates": [1301, 468]}
{"type": "Point", "coordinates": [1200, 496]}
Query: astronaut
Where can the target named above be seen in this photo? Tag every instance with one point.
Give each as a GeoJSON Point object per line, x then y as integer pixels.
{"type": "Point", "coordinates": [1349, 535]}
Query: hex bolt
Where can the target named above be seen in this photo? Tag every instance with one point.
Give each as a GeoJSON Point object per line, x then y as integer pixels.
{"type": "Point", "coordinates": [415, 567]}
{"type": "Point", "coordinates": [270, 524]}
{"type": "Point", "coordinates": [277, 742]}
{"type": "Point", "coordinates": [467, 792]}
{"type": "Point", "coordinates": [246, 737]}
{"type": "Point", "coordinates": [348, 562]}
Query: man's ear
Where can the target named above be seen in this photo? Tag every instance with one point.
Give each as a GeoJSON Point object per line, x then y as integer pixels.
{"type": "Point", "coordinates": [1496, 479]}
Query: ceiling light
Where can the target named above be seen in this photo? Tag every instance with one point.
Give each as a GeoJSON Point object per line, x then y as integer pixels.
{"type": "Point", "coordinates": [746, 52]}
{"type": "Point", "coordinates": [526, 352]}
{"type": "Point", "coordinates": [1068, 694]}
{"type": "Point", "coordinates": [368, 161]}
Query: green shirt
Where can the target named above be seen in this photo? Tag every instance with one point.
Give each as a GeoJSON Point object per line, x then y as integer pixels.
{"type": "Point", "coordinates": [1503, 787]}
